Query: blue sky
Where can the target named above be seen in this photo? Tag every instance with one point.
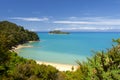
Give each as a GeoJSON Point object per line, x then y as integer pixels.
{"type": "Point", "coordinates": [66, 15]}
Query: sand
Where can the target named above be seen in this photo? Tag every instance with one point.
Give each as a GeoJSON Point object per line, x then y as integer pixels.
{"type": "Point", "coordinates": [23, 46]}
{"type": "Point", "coordinates": [15, 49]}
{"type": "Point", "coordinates": [60, 67]}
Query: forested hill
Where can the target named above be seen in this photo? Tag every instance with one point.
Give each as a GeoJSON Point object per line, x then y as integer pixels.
{"type": "Point", "coordinates": [13, 34]}
{"type": "Point", "coordinates": [14, 67]}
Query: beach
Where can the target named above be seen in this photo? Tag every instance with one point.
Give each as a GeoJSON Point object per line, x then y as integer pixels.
{"type": "Point", "coordinates": [60, 67]}
{"type": "Point", "coordinates": [19, 47]}
{"type": "Point", "coordinates": [66, 49]}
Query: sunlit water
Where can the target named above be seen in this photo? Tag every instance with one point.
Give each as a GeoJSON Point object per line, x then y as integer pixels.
{"type": "Point", "coordinates": [67, 49]}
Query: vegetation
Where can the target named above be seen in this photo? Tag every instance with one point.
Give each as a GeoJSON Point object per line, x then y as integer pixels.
{"type": "Point", "coordinates": [58, 32]}
{"type": "Point", "coordinates": [13, 67]}
{"type": "Point", "coordinates": [12, 34]}
{"type": "Point", "coordinates": [17, 68]}
{"type": "Point", "coordinates": [102, 66]}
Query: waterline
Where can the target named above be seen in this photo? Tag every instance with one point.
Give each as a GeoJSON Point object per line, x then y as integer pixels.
{"type": "Point", "coordinates": [67, 49]}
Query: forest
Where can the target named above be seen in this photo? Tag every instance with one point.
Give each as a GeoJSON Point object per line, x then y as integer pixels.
{"type": "Point", "coordinates": [103, 65]}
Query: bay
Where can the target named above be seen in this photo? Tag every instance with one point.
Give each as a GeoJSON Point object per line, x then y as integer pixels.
{"type": "Point", "coordinates": [68, 48]}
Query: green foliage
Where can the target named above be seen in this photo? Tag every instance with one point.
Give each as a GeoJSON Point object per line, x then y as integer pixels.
{"type": "Point", "coordinates": [12, 35]}
{"type": "Point", "coordinates": [13, 67]}
{"type": "Point", "coordinates": [117, 40]}
{"type": "Point", "coordinates": [28, 70]}
{"type": "Point", "coordinates": [19, 68]}
{"type": "Point", "coordinates": [102, 66]}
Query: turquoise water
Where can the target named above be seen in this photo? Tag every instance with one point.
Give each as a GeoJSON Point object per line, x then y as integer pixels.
{"type": "Point", "coordinates": [66, 49]}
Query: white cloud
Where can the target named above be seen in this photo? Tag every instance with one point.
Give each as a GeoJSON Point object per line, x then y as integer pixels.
{"type": "Point", "coordinates": [72, 17]}
{"type": "Point", "coordinates": [86, 18]}
{"type": "Point", "coordinates": [88, 24]}
{"type": "Point", "coordinates": [85, 28]}
{"type": "Point", "coordinates": [30, 18]}
{"type": "Point", "coordinates": [70, 22]}
{"type": "Point", "coordinates": [32, 30]}
{"type": "Point", "coordinates": [109, 22]}
{"type": "Point", "coordinates": [89, 21]}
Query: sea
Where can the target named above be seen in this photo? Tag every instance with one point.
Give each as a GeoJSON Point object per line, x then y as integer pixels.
{"type": "Point", "coordinates": [68, 48]}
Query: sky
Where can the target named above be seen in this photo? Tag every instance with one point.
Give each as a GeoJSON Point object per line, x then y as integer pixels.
{"type": "Point", "coordinates": [65, 15]}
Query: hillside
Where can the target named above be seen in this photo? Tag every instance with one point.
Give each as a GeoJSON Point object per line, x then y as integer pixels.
{"type": "Point", "coordinates": [13, 34]}
{"type": "Point", "coordinates": [13, 67]}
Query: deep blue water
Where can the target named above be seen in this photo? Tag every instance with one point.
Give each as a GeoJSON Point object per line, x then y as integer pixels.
{"type": "Point", "coordinates": [67, 49]}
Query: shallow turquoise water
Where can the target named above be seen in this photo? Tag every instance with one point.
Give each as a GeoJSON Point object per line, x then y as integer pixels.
{"type": "Point", "coordinates": [66, 49]}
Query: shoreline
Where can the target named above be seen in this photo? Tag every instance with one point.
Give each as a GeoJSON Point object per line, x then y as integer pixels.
{"type": "Point", "coordinates": [60, 67]}
{"type": "Point", "coordinates": [21, 46]}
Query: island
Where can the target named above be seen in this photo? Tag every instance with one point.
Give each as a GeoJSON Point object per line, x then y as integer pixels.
{"type": "Point", "coordinates": [58, 32]}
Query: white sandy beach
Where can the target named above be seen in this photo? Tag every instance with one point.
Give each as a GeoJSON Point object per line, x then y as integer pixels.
{"type": "Point", "coordinates": [60, 67]}
{"type": "Point", "coordinates": [15, 49]}
{"type": "Point", "coordinates": [21, 46]}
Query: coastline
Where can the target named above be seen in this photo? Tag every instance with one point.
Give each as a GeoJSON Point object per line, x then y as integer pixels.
{"type": "Point", "coordinates": [21, 46]}
{"type": "Point", "coordinates": [60, 67]}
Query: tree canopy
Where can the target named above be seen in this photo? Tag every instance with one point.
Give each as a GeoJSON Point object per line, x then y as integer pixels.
{"type": "Point", "coordinates": [12, 34]}
{"type": "Point", "coordinates": [13, 67]}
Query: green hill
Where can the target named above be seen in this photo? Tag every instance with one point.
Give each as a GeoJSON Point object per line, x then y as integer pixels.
{"type": "Point", "coordinates": [13, 67]}
{"type": "Point", "coordinates": [13, 34]}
